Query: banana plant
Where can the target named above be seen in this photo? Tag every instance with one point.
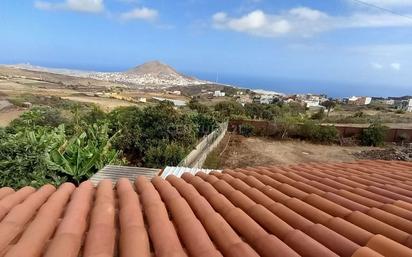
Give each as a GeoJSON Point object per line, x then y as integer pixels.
{"type": "Point", "coordinates": [85, 153]}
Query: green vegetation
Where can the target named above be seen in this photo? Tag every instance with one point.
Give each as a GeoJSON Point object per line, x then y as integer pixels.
{"type": "Point", "coordinates": [374, 135]}
{"type": "Point", "coordinates": [317, 133]}
{"type": "Point", "coordinates": [70, 142]}
{"type": "Point", "coordinates": [246, 130]}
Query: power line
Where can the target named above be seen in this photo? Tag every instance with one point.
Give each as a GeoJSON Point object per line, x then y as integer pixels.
{"type": "Point", "coordinates": [382, 9]}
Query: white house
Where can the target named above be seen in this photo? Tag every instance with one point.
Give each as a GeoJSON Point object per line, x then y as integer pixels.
{"type": "Point", "coordinates": [266, 99]}
{"type": "Point", "coordinates": [389, 102]}
{"type": "Point", "coordinates": [312, 103]}
{"type": "Point", "coordinates": [141, 99]}
{"type": "Point", "coordinates": [219, 94]}
{"type": "Point", "coordinates": [363, 100]}
{"type": "Point", "coordinates": [409, 108]}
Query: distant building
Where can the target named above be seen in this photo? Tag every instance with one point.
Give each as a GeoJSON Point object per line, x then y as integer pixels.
{"type": "Point", "coordinates": [389, 102]}
{"type": "Point", "coordinates": [177, 92]}
{"type": "Point", "coordinates": [177, 103]}
{"type": "Point", "coordinates": [312, 104]}
{"type": "Point", "coordinates": [266, 99]}
{"type": "Point", "coordinates": [359, 100]}
{"type": "Point", "coordinates": [409, 108]}
{"type": "Point", "coordinates": [142, 99]}
{"type": "Point", "coordinates": [219, 94]}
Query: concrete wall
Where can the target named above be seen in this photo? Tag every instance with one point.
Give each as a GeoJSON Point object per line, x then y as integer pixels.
{"type": "Point", "coordinates": [268, 128]}
{"type": "Point", "coordinates": [197, 157]}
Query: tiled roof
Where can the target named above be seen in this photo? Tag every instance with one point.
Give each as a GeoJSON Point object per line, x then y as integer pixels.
{"type": "Point", "coordinates": [114, 173]}
{"type": "Point", "coordinates": [361, 209]}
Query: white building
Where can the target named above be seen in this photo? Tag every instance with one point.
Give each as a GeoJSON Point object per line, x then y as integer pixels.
{"type": "Point", "coordinates": [142, 99]}
{"type": "Point", "coordinates": [360, 100]}
{"type": "Point", "coordinates": [177, 103]}
{"type": "Point", "coordinates": [266, 99]}
{"type": "Point", "coordinates": [219, 94]}
{"type": "Point", "coordinates": [177, 92]}
{"type": "Point", "coordinates": [409, 108]}
{"type": "Point", "coordinates": [389, 102]}
{"type": "Point", "coordinates": [312, 103]}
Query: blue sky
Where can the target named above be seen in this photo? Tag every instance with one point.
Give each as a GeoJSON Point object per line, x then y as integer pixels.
{"type": "Point", "coordinates": [337, 46]}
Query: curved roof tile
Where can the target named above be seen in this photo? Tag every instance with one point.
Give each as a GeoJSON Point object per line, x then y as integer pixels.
{"type": "Point", "coordinates": [358, 209]}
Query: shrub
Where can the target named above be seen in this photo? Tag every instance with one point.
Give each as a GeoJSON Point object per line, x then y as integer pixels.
{"type": "Point", "coordinates": [38, 117]}
{"type": "Point", "coordinates": [205, 124]}
{"type": "Point", "coordinates": [200, 108]}
{"type": "Point", "coordinates": [42, 155]}
{"type": "Point", "coordinates": [374, 135]}
{"type": "Point", "coordinates": [246, 130]}
{"type": "Point", "coordinates": [404, 137]}
{"type": "Point", "coordinates": [229, 108]}
{"type": "Point", "coordinates": [327, 134]}
{"type": "Point", "coordinates": [316, 133]}
{"type": "Point", "coordinates": [164, 154]}
{"type": "Point", "coordinates": [287, 125]}
{"type": "Point", "coordinates": [320, 115]}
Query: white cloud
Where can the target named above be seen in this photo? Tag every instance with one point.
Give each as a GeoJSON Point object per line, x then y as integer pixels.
{"type": "Point", "coordinates": [377, 66]}
{"type": "Point", "coordinates": [298, 20]}
{"type": "Point", "coordinates": [304, 21]}
{"type": "Point", "coordinates": [396, 66]}
{"type": "Point", "coordinates": [140, 14]}
{"type": "Point", "coordinates": [93, 6]}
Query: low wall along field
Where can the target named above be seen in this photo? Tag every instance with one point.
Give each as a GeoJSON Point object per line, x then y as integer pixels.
{"type": "Point", "coordinates": [268, 128]}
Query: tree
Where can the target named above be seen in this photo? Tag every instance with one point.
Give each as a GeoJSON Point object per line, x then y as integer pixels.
{"type": "Point", "coordinates": [329, 106]}
{"type": "Point", "coordinates": [287, 124]}
{"type": "Point", "coordinates": [229, 108]}
{"type": "Point", "coordinates": [196, 106]}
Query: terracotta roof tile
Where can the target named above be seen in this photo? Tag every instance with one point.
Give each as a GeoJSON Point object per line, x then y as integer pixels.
{"type": "Point", "coordinates": [366, 252]}
{"type": "Point", "coordinates": [359, 209]}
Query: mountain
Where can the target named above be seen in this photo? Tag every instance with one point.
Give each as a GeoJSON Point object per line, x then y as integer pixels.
{"type": "Point", "coordinates": [154, 68]}
{"type": "Point", "coordinates": [152, 74]}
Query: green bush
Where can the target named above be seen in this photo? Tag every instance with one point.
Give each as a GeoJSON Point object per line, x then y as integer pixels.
{"type": "Point", "coordinates": [327, 134]}
{"type": "Point", "coordinates": [205, 124]}
{"type": "Point", "coordinates": [246, 130]}
{"type": "Point", "coordinates": [316, 133]}
{"type": "Point", "coordinates": [43, 155]}
{"type": "Point", "coordinates": [319, 115]}
{"type": "Point", "coordinates": [165, 155]}
{"type": "Point", "coordinates": [196, 106]}
{"type": "Point", "coordinates": [38, 117]}
{"type": "Point", "coordinates": [229, 108]}
{"type": "Point", "coordinates": [25, 158]}
{"type": "Point", "coordinates": [374, 135]}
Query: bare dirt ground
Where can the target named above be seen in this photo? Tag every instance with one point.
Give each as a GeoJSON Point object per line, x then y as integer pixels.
{"type": "Point", "coordinates": [106, 104]}
{"type": "Point", "coordinates": [255, 151]}
{"type": "Point", "coordinates": [8, 116]}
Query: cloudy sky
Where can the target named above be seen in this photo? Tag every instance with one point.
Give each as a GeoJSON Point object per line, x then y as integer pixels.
{"type": "Point", "coordinates": [337, 46]}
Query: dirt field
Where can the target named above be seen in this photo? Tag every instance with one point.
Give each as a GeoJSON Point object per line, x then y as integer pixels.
{"type": "Point", "coordinates": [8, 116]}
{"type": "Point", "coordinates": [255, 151]}
{"type": "Point", "coordinates": [106, 104]}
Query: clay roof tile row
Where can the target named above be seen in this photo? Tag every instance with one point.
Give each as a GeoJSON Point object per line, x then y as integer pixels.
{"type": "Point", "coordinates": [361, 209]}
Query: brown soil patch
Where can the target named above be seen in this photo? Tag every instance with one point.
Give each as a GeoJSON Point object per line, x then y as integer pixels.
{"type": "Point", "coordinates": [257, 151]}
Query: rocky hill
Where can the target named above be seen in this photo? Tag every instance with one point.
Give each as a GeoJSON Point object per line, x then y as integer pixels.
{"type": "Point", "coordinates": [151, 74]}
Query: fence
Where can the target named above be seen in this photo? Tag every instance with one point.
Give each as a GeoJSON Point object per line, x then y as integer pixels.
{"type": "Point", "coordinates": [197, 157]}
{"type": "Point", "coordinates": [269, 128]}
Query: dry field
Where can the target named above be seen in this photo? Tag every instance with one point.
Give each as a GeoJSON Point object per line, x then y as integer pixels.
{"type": "Point", "coordinates": [238, 151]}
{"type": "Point", "coordinates": [107, 104]}
{"type": "Point", "coordinates": [8, 116]}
